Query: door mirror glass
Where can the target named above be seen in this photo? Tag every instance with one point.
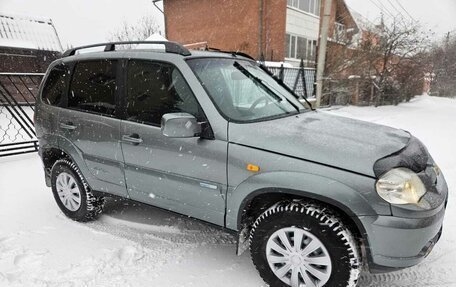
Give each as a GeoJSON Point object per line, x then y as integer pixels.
{"type": "Point", "coordinates": [180, 125]}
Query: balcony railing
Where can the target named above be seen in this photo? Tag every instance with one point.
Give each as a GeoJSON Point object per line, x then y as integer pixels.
{"type": "Point", "coordinates": [340, 33]}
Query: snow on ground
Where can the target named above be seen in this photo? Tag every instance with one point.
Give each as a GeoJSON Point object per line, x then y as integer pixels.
{"type": "Point", "coordinates": [433, 121]}
{"type": "Point", "coordinates": [138, 245]}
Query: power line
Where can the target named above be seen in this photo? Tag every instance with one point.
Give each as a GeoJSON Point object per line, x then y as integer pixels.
{"type": "Point", "coordinates": [403, 18]}
{"type": "Point", "coordinates": [394, 7]}
{"type": "Point", "coordinates": [385, 9]}
{"type": "Point", "coordinates": [402, 7]}
{"type": "Point", "coordinates": [381, 9]}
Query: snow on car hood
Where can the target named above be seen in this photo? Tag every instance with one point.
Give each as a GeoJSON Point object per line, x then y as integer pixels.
{"type": "Point", "coordinates": [323, 138]}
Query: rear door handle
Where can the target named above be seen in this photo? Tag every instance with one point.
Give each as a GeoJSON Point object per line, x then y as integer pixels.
{"type": "Point", "coordinates": [133, 138]}
{"type": "Point", "coordinates": [68, 126]}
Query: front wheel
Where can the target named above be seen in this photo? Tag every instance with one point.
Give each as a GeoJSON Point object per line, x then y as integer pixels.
{"type": "Point", "coordinates": [304, 245]}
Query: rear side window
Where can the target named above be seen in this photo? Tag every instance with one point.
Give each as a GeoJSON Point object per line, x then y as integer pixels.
{"type": "Point", "coordinates": [55, 87]}
{"type": "Point", "coordinates": [154, 89]}
{"type": "Point", "coordinates": [93, 87]}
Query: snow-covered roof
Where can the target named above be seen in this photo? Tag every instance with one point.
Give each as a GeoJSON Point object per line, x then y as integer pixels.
{"type": "Point", "coordinates": [27, 32]}
{"type": "Point", "coordinates": [156, 37]}
{"type": "Point", "coordinates": [362, 22]}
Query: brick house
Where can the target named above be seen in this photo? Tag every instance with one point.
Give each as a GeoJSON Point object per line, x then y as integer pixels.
{"type": "Point", "coordinates": [27, 45]}
{"type": "Point", "coordinates": [253, 27]}
{"type": "Point", "coordinates": [274, 30]}
{"type": "Point", "coordinates": [349, 31]}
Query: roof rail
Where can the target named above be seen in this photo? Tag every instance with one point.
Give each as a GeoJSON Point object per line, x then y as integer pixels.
{"type": "Point", "coordinates": [170, 47]}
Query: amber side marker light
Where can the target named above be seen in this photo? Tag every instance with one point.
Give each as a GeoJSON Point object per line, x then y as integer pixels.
{"type": "Point", "coordinates": [253, 168]}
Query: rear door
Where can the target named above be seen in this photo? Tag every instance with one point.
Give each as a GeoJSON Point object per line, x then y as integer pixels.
{"type": "Point", "coordinates": [50, 103]}
{"type": "Point", "coordinates": [90, 125]}
{"type": "Point", "coordinates": [186, 175]}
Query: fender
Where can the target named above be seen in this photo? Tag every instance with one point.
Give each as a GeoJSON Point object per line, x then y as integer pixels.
{"type": "Point", "coordinates": [308, 185]}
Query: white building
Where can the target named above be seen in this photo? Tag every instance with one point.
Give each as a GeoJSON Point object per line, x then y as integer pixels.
{"type": "Point", "coordinates": [302, 31]}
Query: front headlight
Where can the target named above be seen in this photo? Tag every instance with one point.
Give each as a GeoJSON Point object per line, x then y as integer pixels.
{"type": "Point", "coordinates": [400, 186]}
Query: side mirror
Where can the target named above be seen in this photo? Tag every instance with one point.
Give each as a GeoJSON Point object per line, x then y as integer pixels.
{"type": "Point", "coordinates": [180, 125]}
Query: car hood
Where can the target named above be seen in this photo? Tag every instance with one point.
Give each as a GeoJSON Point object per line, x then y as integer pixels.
{"type": "Point", "coordinates": [319, 137]}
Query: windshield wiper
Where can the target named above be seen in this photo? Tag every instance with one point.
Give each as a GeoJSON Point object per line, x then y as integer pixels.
{"type": "Point", "coordinates": [259, 82]}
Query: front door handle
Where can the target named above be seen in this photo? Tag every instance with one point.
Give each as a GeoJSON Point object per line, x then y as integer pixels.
{"type": "Point", "coordinates": [133, 138]}
{"type": "Point", "coordinates": [68, 126]}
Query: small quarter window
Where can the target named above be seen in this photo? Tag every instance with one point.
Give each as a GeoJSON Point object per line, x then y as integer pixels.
{"type": "Point", "coordinates": [93, 87]}
{"type": "Point", "coordinates": [55, 87]}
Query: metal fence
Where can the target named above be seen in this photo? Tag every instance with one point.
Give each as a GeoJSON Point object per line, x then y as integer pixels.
{"type": "Point", "coordinates": [361, 92]}
{"type": "Point", "coordinates": [301, 80]}
{"type": "Point", "coordinates": [18, 93]}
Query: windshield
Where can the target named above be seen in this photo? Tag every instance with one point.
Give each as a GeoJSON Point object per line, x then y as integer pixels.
{"type": "Point", "coordinates": [242, 91]}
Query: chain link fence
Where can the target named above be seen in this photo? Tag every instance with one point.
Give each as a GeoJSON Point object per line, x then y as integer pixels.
{"type": "Point", "coordinates": [18, 93]}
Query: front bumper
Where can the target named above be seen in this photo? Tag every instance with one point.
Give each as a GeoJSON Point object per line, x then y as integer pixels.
{"type": "Point", "coordinates": [407, 237]}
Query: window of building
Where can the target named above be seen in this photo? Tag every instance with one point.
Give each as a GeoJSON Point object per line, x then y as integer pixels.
{"type": "Point", "coordinates": [155, 89]}
{"type": "Point", "coordinates": [309, 6]}
{"type": "Point", "coordinates": [93, 87]}
{"type": "Point", "coordinates": [297, 47]}
{"type": "Point", "coordinates": [55, 86]}
{"type": "Point", "coordinates": [292, 53]}
{"type": "Point", "coordinates": [301, 48]}
{"type": "Point", "coordinates": [287, 45]}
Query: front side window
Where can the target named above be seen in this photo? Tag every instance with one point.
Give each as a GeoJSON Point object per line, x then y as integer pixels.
{"type": "Point", "coordinates": [155, 89]}
{"type": "Point", "coordinates": [55, 87]}
{"type": "Point", "coordinates": [93, 87]}
{"type": "Point", "coordinates": [242, 91]}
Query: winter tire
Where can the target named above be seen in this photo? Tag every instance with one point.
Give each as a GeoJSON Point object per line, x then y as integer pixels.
{"type": "Point", "coordinates": [303, 244]}
{"type": "Point", "coordinates": [72, 193]}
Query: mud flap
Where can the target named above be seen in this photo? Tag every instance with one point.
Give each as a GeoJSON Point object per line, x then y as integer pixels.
{"type": "Point", "coordinates": [243, 241]}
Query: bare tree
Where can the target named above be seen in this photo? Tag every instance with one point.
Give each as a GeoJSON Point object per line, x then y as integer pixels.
{"type": "Point", "coordinates": [400, 49]}
{"type": "Point", "coordinates": [392, 56]}
{"type": "Point", "coordinates": [141, 30]}
{"type": "Point", "coordinates": [444, 63]}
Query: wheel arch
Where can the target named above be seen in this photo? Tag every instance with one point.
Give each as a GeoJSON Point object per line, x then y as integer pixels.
{"type": "Point", "coordinates": [261, 191]}
{"type": "Point", "coordinates": [50, 154]}
{"type": "Point", "coordinates": [306, 185]}
{"type": "Point", "coordinates": [260, 200]}
{"type": "Point", "coordinates": [273, 195]}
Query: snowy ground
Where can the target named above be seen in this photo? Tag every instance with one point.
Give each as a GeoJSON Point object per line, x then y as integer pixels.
{"type": "Point", "coordinates": [138, 245]}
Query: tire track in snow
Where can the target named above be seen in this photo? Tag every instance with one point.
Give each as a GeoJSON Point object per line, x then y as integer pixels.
{"type": "Point", "coordinates": [148, 247]}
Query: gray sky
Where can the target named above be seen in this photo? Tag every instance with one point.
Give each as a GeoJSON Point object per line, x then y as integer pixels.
{"type": "Point", "coordinates": [90, 21]}
{"type": "Point", "coordinates": [80, 22]}
{"type": "Point", "coordinates": [437, 15]}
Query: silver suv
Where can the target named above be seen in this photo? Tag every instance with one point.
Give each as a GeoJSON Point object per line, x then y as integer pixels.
{"type": "Point", "coordinates": [214, 136]}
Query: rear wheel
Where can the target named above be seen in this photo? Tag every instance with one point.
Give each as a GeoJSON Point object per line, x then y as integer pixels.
{"type": "Point", "coordinates": [301, 244]}
{"type": "Point", "coordinates": [72, 193]}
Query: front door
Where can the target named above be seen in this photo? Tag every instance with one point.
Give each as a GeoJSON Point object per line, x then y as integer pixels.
{"type": "Point", "coordinates": [185, 175]}
{"type": "Point", "coordinates": [89, 124]}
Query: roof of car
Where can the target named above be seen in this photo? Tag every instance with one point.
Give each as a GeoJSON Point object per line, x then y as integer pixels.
{"type": "Point", "coordinates": [128, 49]}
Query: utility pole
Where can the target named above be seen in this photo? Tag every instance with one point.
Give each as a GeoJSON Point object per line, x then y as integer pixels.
{"type": "Point", "coordinates": [322, 50]}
